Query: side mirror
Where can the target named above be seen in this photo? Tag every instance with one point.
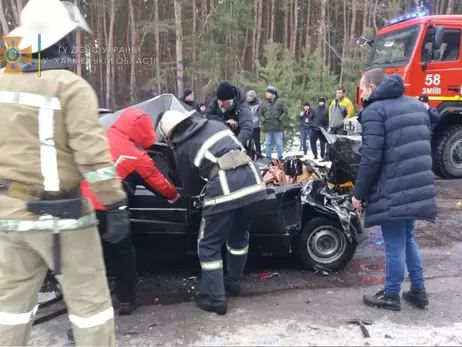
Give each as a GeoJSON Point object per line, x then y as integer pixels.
{"type": "Point", "coordinates": [438, 38]}
{"type": "Point", "coordinates": [363, 41]}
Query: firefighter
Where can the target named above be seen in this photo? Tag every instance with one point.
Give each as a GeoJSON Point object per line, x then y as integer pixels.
{"type": "Point", "coordinates": [210, 156]}
{"type": "Point", "coordinates": [51, 140]}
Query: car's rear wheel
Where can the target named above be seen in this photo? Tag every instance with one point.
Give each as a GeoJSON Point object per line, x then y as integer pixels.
{"type": "Point", "coordinates": [322, 243]}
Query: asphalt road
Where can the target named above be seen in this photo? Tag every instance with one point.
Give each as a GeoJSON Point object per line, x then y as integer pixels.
{"type": "Point", "coordinates": [174, 281]}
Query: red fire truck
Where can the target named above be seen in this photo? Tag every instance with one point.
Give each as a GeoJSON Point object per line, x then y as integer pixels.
{"type": "Point", "coordinates": [426, 52]}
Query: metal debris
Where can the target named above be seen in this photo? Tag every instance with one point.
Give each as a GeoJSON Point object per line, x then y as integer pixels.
{"type": "Point", "coordinates": [267, 275]}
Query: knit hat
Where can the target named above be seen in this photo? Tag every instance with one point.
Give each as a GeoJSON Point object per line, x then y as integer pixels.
{"type": "Point", "coordinates": [306, 103]}
{"type": "Point", "coordinates": [252, 93]}
{"type": "Point", "coordinates": [423, 98]}
{"type": "Point", "coordinates": [272, 90]}
{"type": "Point", "coordinates": [225, 91]}
{"type": "Point", "coordinates": [322, 99]}
{"type": "Point", "coordinates": [187, 92]}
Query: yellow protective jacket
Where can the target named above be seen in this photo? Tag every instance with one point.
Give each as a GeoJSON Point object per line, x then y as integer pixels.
{"type": "Point", "coordinates": [345, 103]}
{"type": "Point", "coordinates": [51, 139]}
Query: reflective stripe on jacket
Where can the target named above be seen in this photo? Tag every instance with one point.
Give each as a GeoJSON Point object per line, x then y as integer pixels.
{"type": "Point", "coordinates": [52, 140]}
{"type": "Point", "coordinates": [197, 159]}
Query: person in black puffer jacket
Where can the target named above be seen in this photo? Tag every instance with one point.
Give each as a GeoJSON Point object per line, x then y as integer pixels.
{"type": "Point", "coordinates": [395, 177]}
{"type": "Point", "coordinates": [319, 118]}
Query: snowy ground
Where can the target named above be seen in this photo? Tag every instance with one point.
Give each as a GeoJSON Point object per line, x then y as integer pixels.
{"type": "Point", "coordinates": [301, 317]}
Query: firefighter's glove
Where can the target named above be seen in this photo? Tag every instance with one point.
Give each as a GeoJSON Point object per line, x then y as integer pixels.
{"type": "Point", "coordinates": [117, 222]}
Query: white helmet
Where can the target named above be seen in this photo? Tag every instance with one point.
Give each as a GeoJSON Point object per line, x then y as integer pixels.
{"type": "Point", "coordinates": [170, 120]}
{"type": "Point", "coordinates": [51, 19]}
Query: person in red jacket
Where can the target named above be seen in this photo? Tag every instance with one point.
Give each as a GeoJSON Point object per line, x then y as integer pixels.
{"type": "Point", "coordinates": [132, 130]}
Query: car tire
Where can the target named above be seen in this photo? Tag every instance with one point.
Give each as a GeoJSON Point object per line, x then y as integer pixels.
{"type": "Point", "coordinates": [443, 150]}
{"type": "Point", "coordinates": [323, 244]}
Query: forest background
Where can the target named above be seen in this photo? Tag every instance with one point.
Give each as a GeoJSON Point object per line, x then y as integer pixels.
{"type": "Point", "coordinates": [306, 48]}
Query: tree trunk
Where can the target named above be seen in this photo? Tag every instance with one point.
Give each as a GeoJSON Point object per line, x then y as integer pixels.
{"type": "Point", "coordinates": [450, 8]}
{"type": "Point", "coordinates": [308, 23]}
{"type": "Point", "coordinates": [157, 39]}
{"type": "Point", "coordinates": [78, 44]}
{"type": "Point", "coordinates": [353, 23]}
{"type": "Point", "coordinates": [109, 54]}
{"type": "Point", "coordinates": [14, 7]}
{"type": "Point", "coordinates": [3, 21]}
{"type": "Point", "coordinates": [179, 45]}
{"type": "Point", "coordinates": [259, 30]}
{"type": "Point", "coordinates": [321, 31]}
{"type": "Point", "coordinates": [254, 34]}
{"type": "Point", "coordinates": [365, 16]}
{"type": "Point", "coordinates": [374, 16]}
{"type": "Point", "coordinates": [273, 19]}
{"type": "Point", "coordinates": [132, 55]}
{"type": "Point", "coordinates": [267, 20]}
{"type": "Point", "coordinates": [345, 42]}
{"type": "Point", "coordinates": [293, 48]}
{"type": "Point", "coordinates": [286, 23]}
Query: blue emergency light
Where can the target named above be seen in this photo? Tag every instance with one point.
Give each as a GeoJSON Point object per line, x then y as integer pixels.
{"type": "Point", "coordinates": [407, 17]}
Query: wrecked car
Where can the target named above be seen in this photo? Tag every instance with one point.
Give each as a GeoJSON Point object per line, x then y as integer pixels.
{"type": "Point", "coordinates": [311, 218]}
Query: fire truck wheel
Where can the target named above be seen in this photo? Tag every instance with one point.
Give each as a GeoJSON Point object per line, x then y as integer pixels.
{"type": "Point", "coordinates": [447, 153]}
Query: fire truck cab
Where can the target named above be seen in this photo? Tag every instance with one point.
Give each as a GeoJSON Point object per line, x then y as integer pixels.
{"type": "Point", "coordinates": [426, 51]}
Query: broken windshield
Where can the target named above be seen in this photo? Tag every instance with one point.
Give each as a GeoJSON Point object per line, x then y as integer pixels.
{"type": "Point", "coordinates": [393, 49]}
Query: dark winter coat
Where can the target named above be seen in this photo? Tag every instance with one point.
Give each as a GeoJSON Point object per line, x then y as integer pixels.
{"type": "Point", "coordinates": [395, 175]}
{"type": "Point", "coordinates": [272, 114]}
{"type": "Point", "coordinates": [240, 113]}
{"type": "Point", "coordinates": [320, 117]}
{"type": "Point", "coordinates": [434, 116]}
{"type": "Point", "coordinates": [305, 120]}
{"type": "Point", "coordinates": [244, 183]}
{"type": "Point", "coordinates": [193, 104]}
{"type": "Point", "coordinates": [254, 106]}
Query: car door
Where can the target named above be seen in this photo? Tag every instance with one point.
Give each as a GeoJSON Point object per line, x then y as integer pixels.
{"type": "Point", "coordinates": [158, 225]}
{"type": "Point", "coordinates": [277, 219]}
{"type": "Point", "coordinates": [440, 77]}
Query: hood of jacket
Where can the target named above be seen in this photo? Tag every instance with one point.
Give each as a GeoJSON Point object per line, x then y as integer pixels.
{"type": "Point", "coordinates": [390, 88]}
{"type": "Point", "coordinates": [254, 102]}
{"type": "Point", "coordinates": [137, 126]}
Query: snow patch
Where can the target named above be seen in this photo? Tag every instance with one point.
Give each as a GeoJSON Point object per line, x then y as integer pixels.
{"type": "Point", "coordinates": [291, 332]}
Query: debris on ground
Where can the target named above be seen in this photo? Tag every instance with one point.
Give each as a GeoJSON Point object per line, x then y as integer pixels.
{"type": "Point", "coordinates": [308, 301]}
{"type": "Point", "coordinates": [267, 275]}
{"type": "Point", "coordinates": [362, 324]}
{"type": "Point", "coordinates": [323, 271]}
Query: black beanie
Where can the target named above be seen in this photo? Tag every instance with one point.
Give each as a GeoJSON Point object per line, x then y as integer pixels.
{"type": "Point", "coordinates": [306, 104]}
{"type": "Point", "coordinates": [225, 91]}
{"type": "Point", "coordinates": [187, 92]}
{"type": "Point", "coordinates": [322, 99]}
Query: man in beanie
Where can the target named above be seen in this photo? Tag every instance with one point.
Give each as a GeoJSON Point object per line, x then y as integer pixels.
{"type": "Point", "coordinates": [230, 107]}
{"type": "Point", "coordinates": [305, 129]}
{"type": "Point", "coordinates": [188, 99]}
{"type": "Point", "coordinates": [273, 111]}
{"type": "Point", "coordinates": [254, 104]}
{"type": "Point", "coordinates": [319, 118]}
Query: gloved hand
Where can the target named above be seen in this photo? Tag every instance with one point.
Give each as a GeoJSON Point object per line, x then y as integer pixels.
{"type": "Point", "coordinates": [117, 222]}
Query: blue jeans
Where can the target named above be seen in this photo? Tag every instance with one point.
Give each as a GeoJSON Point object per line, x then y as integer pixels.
{"type": "Point", "coordinates": [275, 136]}
{"type": "Point", "coordinates": [306, 132]}
{"type": "Point", "coordinates": [401, 250]}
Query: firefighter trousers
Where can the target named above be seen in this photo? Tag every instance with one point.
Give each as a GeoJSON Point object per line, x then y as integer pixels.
{"type": "Point", "coordinates": [24, 261]}
{"type": "Point", "coordinates": [230, 228]}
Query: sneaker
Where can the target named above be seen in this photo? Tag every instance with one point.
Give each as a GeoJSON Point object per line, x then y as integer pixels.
{"type": "Point", "coordinates": [204, 303]}
{"type": "Point", "coordinates": [70, 337]}
{"type": "Point", "coordinates": [127, 308]}
{"type": "Point", "coordinates": [382, 300]}
{"type": "Point", "coordinates": [417, 297]}
{"type": "Point", "coordinates": [233, 289]}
